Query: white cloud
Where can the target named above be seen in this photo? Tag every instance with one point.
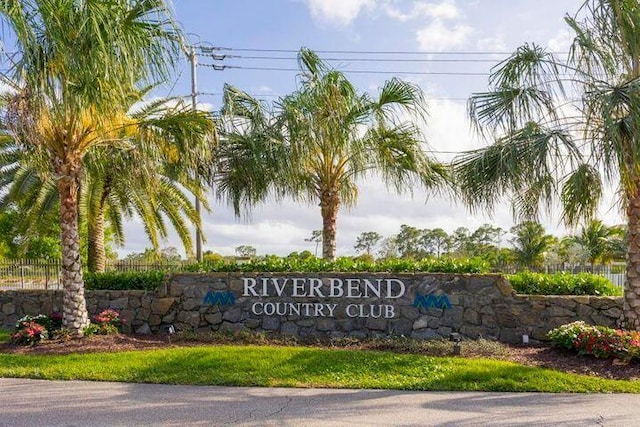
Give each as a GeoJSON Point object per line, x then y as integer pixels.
{"type": "Point", "coordinates": [338, 12]}
{"type": "Point", "coordinates": [448, 129]}
{"type": "Point", "coordinates": [561, 42]}
{"type": "Point", "coordinates": [439, 37]}
{"type": "Point", "coordinates": [492, 44]}
{"type": "Point", "coordinates": [445, 9]}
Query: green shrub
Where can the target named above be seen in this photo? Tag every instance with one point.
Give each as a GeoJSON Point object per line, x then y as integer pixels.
{"type": "Point", "coordinates": [598, 341]}
{"type": "Point", "coordinates": [133, 280]}
{"type": "Point", "coordinates": [562, 284]}
{"type": "Point", "coordinates": [346, 265]}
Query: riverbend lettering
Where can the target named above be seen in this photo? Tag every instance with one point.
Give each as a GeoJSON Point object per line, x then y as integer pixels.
{"type": "Point", "coordinates": [316, 288]}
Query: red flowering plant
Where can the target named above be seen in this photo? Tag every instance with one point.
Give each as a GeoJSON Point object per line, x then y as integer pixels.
{"type": "Point", "coordinates": [598, 341]}
{"type": "Point", "coordinates": [107, 322]}
{"type": "Point", "coordinates": [30, 330]}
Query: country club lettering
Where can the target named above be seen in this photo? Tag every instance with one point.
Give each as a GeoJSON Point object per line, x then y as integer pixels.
{"type": "Point", "coordinates": [317, 288]}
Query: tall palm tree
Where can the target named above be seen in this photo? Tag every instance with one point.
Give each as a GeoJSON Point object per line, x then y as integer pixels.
{"type": "Point", "coordinates": [165, 149]}
{"type": "Point", "coordinates": [325, 137]}
{"type": "Point", "coordinates": [79, 61]}
{"type": "Point", "coordinates": [562, 129]}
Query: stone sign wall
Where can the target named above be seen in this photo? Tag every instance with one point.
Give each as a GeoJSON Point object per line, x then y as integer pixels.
{"type": "Point", "coordinates": [335, 304]}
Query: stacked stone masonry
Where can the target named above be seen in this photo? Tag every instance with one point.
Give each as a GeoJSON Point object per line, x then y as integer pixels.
{"type": "Point", "coordinates": [475, 306]}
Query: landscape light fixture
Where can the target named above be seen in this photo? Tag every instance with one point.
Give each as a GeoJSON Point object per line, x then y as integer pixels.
{"type": "Point", "coordinates": [456, 338]}
{"type": "Point", "coordinates": [170, 331]}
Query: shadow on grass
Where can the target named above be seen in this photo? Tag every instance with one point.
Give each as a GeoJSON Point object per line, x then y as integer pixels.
{"type": "Point", "coordinates": [305, 367]}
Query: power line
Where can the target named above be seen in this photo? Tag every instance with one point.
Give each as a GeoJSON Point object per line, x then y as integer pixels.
{"type": "Point", "coordinates": [272, 95]}
{"type": "Point", "coordinates": [419, 73]}
{"type": "Point", "coordinates": [222, 57]}
{"type": "Point", "coordinates": [363, 52]}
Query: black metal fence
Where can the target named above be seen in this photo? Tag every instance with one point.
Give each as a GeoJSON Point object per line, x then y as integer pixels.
{"type": "Point", "coordinates": [45, 274]}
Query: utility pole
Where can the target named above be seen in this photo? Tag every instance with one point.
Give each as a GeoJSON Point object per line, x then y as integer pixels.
{"type": "Point", "coordinates": [194, 104]}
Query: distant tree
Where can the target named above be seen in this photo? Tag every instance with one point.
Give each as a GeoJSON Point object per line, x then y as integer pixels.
{"type": "Point", "coordinates": [487, 235]}
{"type": "Point", "coordinates": [461, 241]}
{"type": "Point", "coordinates": [246, 251]}
{"type": "Point", "coordinates": [408, 242]}
{"type": "Point", "coordinates": [530, 242]}
{"type": "Point", "coordinates": [304, 255]}
{"type": "Point", "coordinates": [436, 241]}
{"type": "Point", "coordinates": [388, 248]}
{"type": "Point", "coordinates": [210, 256]}
{"type": "Point", "coordinates": [152, 255]}
{"type": "Point", "coordinates": [170, 253]}
{"type": "Point", "coordinates": [366, 241]}
{"type": "Point", "coordinates": [316, 237]}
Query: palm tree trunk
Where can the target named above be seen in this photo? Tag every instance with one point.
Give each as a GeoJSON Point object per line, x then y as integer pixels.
{"type": "Point", "coordinates": [631, 304]}
{"type": "Point", "coordinates": [75, 317]}
{"type": "Point", "coordinates": [329, 205]}
{"type": "Point", "coordinates": [96, 258]}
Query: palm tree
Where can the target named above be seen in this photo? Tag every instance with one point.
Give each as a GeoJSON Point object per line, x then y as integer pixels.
{"type": "Point", "coordinates": [599, 241]}
{"type": "Point", "coordinates": [324, 137]}
{"type": "Point", "coordinates": [148, 178]}
{"type": "Point", "coordinates": [79, 61]}
{"type": "Point", "coordinates": [562, 129]}
{"type": "Point", "coordinates": [530, 242]}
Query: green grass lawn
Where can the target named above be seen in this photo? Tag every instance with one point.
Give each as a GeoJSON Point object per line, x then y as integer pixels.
{"type": "Point", "coordinates": [270, 366]}
{"type": "Point", "coordinates": [4, 335]}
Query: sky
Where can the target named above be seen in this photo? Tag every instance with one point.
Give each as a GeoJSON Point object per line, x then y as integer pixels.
{"type": "Point", "coordinates": [434, 30]}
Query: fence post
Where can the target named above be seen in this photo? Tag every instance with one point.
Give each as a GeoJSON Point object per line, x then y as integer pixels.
{"type": "Point", "coordinates": [46, 275]}
{"type": "Point", "coordinates": [21, 268]}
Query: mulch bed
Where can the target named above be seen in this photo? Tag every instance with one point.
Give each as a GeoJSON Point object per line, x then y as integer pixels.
{"type": "Point", "coordinates": [540, 356]}
{"type": "Point", "coordinates": [567, 361]}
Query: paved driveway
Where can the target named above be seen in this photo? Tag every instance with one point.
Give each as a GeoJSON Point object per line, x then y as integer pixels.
{"type": "Point", "coordinates": [78, 403]}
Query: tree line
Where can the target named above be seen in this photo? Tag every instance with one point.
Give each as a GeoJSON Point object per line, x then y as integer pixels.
{"type": "Point", "coordinates": [525, 245]}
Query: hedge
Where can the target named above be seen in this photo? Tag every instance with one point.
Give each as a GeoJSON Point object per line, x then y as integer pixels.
{"type": "Point", "coordinates": [345, 265]}
{"type": "Point", "coordinates": [132, 280]}
{"type": "Point", "coordinates": [562, 284]}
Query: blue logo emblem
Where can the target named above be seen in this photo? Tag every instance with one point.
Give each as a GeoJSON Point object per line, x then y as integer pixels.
{"type": "Point", "coordinates": [431, 301]}
{"type": "Point", "coordinates": [219, 298]}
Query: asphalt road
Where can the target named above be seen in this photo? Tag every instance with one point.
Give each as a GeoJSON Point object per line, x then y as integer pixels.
{"type": "Point", "coordinates": [78, 403]}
